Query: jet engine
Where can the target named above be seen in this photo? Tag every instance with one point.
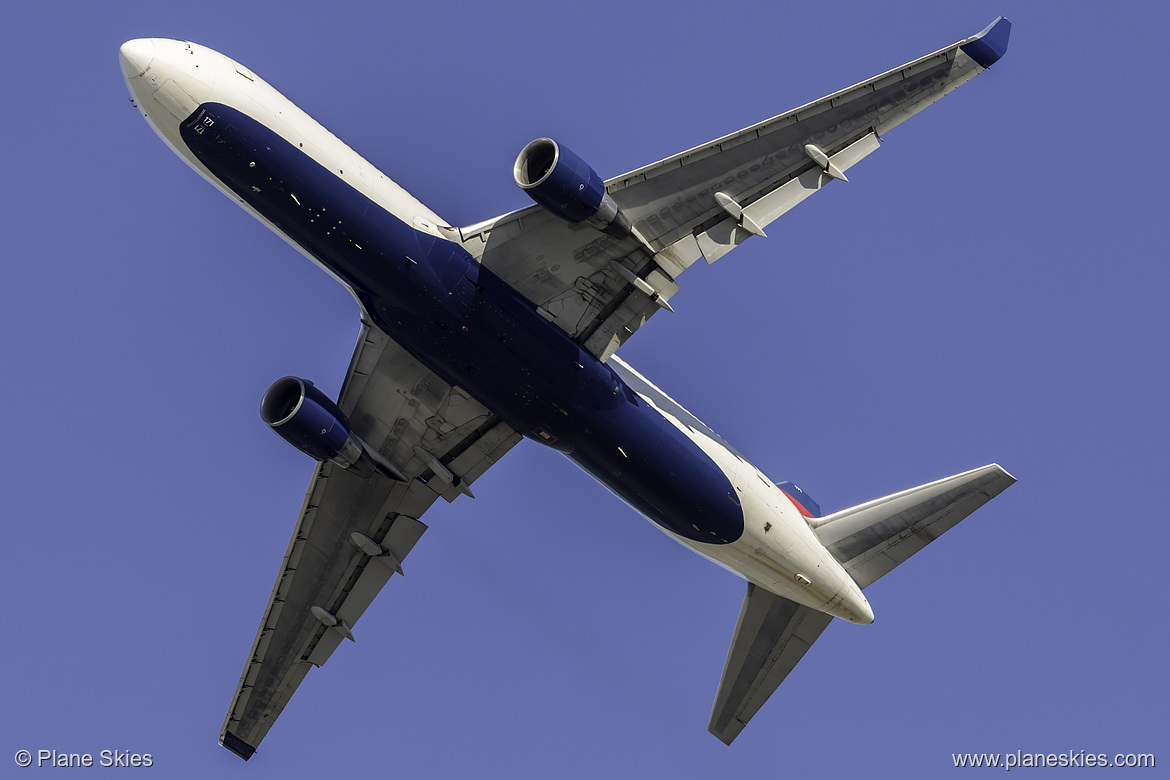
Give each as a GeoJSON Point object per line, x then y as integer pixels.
{"type": "Point", "coordinates": [305, 417]}
{"type": "Point", "coordinates": [564, 184]}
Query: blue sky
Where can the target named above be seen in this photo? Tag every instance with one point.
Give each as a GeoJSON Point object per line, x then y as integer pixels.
{"type": "Point", "coordinates": [990, 287]}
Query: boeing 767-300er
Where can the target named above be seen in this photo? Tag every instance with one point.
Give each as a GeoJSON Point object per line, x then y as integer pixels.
{"type": "Point", "coordinates": [475, 337]}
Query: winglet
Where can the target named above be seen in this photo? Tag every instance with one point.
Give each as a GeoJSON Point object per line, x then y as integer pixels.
{"type": "Point", "coordinates": [237, 745]}
{"type": "Point", "coordinates": [988, 46]}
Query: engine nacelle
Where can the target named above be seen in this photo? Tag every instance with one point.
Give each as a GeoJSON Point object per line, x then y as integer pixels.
{"type": "Point", "coordinates": [305, 417]}
{"type": "Point", "coordinates": [564, 184]}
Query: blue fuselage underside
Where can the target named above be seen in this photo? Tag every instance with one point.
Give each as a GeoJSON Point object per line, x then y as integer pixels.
{"type": "Point", "coordinates": [472, 329]}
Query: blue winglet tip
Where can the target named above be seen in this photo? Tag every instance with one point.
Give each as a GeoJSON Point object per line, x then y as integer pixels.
{"type": "Point", "coordinates": [237, 745]}
{"type": "Point", "coordinates": [988, 46]}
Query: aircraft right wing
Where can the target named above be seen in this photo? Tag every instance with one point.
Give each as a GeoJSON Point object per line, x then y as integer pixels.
{"type": "Point", "coordinates": [706, 201]}
{"type": "Point", "coordinates": [355, 529]}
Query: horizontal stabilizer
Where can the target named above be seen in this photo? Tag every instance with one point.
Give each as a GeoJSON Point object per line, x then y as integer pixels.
{"type": "Point", "coordinates": [773, 633]}
{"type": "Point", "coordinates": [771, 636]}
{"type": "Point", "coordinates": [872, 538]}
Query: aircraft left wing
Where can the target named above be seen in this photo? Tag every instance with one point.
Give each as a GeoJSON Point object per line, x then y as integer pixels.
{"type": "Point", "coordinates": [354, 532]}
{"type": "Point", "coordinates": [704, 202]}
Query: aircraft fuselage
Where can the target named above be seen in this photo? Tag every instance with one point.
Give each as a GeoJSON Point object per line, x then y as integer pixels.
{"type": "Point", "coordinates": [473, 330]}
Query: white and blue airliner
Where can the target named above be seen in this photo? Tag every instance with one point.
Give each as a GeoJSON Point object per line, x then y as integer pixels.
{"type": "Point", "coordinates": [475, 337]}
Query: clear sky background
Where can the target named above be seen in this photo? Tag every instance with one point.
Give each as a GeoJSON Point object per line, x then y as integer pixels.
{"type": "Point", "coordinates": [990, 287]}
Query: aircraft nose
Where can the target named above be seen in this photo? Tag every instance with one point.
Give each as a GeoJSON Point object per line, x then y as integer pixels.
{"type": "Point", "coordinates": [136, 56]}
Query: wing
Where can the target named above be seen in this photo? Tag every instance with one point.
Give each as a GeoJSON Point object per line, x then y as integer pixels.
{"type": "Point", "coordinates": [771, 636]}
{"type": "Point", "coordinates": [354, 532]}
{"type": "Point", "coordinates": [707, 200]}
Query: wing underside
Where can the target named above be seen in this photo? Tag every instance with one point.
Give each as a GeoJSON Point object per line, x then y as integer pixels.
{"type": "Point", "coordinates": [705, 201]}
{"type": "Point", "coordinates": [354, 532]}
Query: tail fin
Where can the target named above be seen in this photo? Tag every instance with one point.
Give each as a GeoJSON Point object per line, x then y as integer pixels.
{"type": "Point", "coordinates": [870, 539]}
{"type": "Point", "coordinates": [803, 501]}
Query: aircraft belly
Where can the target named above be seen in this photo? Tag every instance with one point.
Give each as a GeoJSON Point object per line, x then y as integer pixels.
{"type": "Point", "coordinates": [777, 549]}
{"type": "Point", "coordinates": [472, 329]}
{"type": "Point", "coordinates": [660, 472]}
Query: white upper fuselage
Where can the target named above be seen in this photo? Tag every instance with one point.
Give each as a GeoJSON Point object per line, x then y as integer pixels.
{"type": "Point", "coordinates": [777, 549]}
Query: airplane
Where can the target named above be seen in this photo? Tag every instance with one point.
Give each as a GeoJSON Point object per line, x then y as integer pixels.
{"type": "Point", "coordinates": [475, 337]}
